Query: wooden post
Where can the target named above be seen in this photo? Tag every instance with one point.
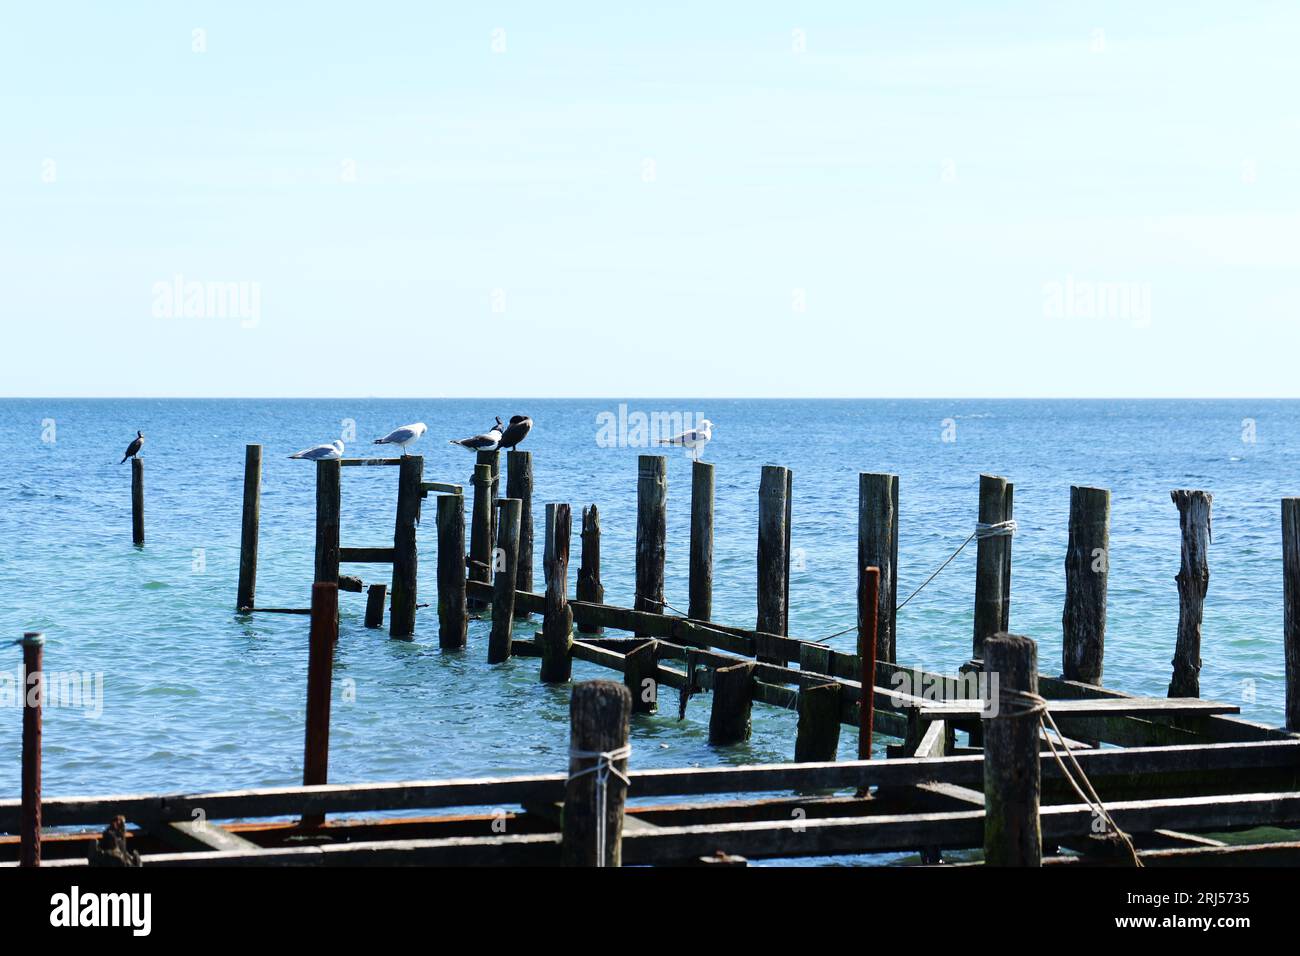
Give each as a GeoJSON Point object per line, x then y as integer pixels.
{"type": "Point", "coordinates": [557, 624]}
{"type": "Point", "coordinates": [1012, 836]}
{"type": "Point", "coordinates": [137, 501]}
{"type": "Point", "coordinates": [589, 587]}
{"type": "Point", "coordinates": [640, 677]}
{"type": "Point", "coordinates": [248, 531]}
{"type": "Point", "coordinates": [480, 532]}
{"type": "Point", "coordinates": [992, 563]}
{"type": "Point", "coordinates": [789, 523]}
{"type": "Point", "coordinates": [406, 553]}
{"type": "Point", "coordinates": [868, 654]}
{"type": "Point", "coordinates": [493, 460]}
{"type": "Point", "coordinates": [733, 698]}
{"type": "Point", "coordinates": [519, 484]}
{"type": "Point", "coordinates": [819, 723]}
{"type": "Point", "coordinates": [773, 558]}
{"type": "Point", "coordinates": [320, 671]}
{"type": "Point", "coordinates": [701, 587]}
{"type": "Point", "coordinates": [503, 585]}
{"type": "Point", "coordinates": [1087, 558]}
{"type": "Point", "coordinates": [453, 620]}
{"type": "Point", "coordinates": [327, 520]}
{"type": "Point", "coordinates": [599, 715]}
{"type": "Point", "coordinates": [33, 691]}
{"type": "Point", "coordinates": [878, 548]}
{"type": "Point", "coordinates": [651, 532]}
{"type": "Point", "coordinates": [1193, 581]}
{"type": "Point", "coordinates": [1291, 608]}
{"type": "Point", "coordinates": [376, 594]}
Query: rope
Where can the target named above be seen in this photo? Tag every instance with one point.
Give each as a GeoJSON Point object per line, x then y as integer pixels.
{"type": "Point", "coordinates": [602, 768]}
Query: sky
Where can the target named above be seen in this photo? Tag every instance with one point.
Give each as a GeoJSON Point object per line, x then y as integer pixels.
{"type": "Point", "coordinates": [745, 199]}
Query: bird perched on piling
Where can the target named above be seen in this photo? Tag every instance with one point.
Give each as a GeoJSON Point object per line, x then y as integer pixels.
{"type": "Point", "coordinates": [490, 440]}
{"type": "Point", "coordinates": [694, 439]}
{"type": "Point", "coordinates": [321, 452]}
{"type": "Point", "coordinates": [516, 431]}
{"type": "Point", "coordinates": [403, 436]}
{"type": "Point", "coordinates": [133, 449]}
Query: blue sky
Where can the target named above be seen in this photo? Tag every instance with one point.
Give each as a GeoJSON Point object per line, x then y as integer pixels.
{"type": "Point", "coordinates": [813, 199]}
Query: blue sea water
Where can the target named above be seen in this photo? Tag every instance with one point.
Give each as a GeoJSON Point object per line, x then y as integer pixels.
{"type": "Point", "coordinates": [196, 697]}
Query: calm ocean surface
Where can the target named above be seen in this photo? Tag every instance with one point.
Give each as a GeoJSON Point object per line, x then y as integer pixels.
{"type": "Point", "coordinates": [197, 697]}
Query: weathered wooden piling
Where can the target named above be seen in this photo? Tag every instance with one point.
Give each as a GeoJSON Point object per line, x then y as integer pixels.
{"type": "Point", "coordinates": [733, 698]}
{"type": "Point", "coordinates": [819, 723]}
{"type": "Point", "coordinates": [868, 654]}
{"type": "Point", "coordinates": [453, 618]}
{"type": "Point", "coordinates": [519, 484]}
{"type": "Point", "coordinates": [406, 555]}
{"type": "Point", "coordinates": [376, 594]}
{"type": "Point", "coordinates": [480, 532]}
{"type": "Point", "coordinates": [651, 532]}
{"type": "Point", "coordinates": [327, 520]}
{"type": "Point", "coordinates": [33, 701]}
{"type": "Point", "coordinates": [320, 671]}
{"type": "Point", "coordinates": [493, 460]}
{"type": "Point", "coordinates": [503, 585]}
{"type": "Point", "coordinates": [595, 796]}
{"type": "Point", "coordinates": [701, 573]}
{"type": "Point", "coordinates": [137, 501]}
{"type": "Point", "coordinates": [1193, 581]}
{"type": "Point", "coordinates": [1012, 836]}
{"type": "Point", "coordinates": [1291, 608]}
{"type": "Point", "coordinates": [789, 524]}
{"type": "Point", "coordinates": [557, 624]}
{"type": "Point", "coordinates": [589, 587]}
{"type": "Point", "coordinates": [993, 562]}
{"type": "Point", "coordinates": [773, 552]}
{"type": "Point", "coordinates": [640, 668]}
{"type": "Point", "coordinates": [878, 548]}
{"type": "Point", "coordinates": [1087, 569]}
{"type": "Point", "coordinates": [252, 516]}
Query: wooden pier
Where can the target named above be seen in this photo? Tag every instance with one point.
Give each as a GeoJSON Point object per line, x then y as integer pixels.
{"type": "Point", "coordinates": [999, 757]}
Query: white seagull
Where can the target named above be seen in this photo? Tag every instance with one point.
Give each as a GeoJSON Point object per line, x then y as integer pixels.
{"type": "Point", "coordinates": [321, 452]}
{"type": "Point", "coordinates": [488, 441]}
{"type": "Point", "coordinates": [693, 440]}
{"type": "Point", "coordinates": [403, 436]}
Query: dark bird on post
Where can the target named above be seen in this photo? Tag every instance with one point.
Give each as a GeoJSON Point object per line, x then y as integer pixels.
{"type": "Point", "coordinates": [516, 431]}
{"type": "Point", "coordinates": [490, 440]}
{"type": "Point", "coordinates": [133, 449]}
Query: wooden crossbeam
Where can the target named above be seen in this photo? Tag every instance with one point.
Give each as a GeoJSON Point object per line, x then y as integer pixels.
{"type": "Point", "coordinates": [1124, 706]}
{"type": "Point", "coordinates": [366, 555]}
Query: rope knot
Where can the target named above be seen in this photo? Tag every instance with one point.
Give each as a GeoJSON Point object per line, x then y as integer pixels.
{"type": "Point", "coordinates": [602, 768]}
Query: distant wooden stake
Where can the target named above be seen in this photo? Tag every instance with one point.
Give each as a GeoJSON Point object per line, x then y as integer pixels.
{"type": "Point", "coordinates": [773, 557]}
{"type": "Point", "coordinates": [1087, 556]}
{"type": "Point", "coordinates": [651, 532]}
{"type": "Point", "coordinates": [701, 580]}
{"type": "Point", "coordinates": [557, 624]}
{"type": "Point", "coordinates": [376, 594]}
{"type": "Point", "coordinates": [1193, 581]}
{"type": "Point", "coordinates": [320, 670]}
{"type": "Point", "coordinates": [519, 484]}
{"type": "Point", "coordinates": [453, 620]}
{"type": "Point", "coordinates": [640, 676]}
{"type": "Point", "coordinates": [249, 528]}
{"type": "Point", "coordinates": [599, 717]}
{"type": "Point", "coordinates": [480, 532]}
{"type": "Point", "coordinates": [878, 548]}
{"type": "Point", "coordinates": [503, 584]}
{"type": "Point", "coordinates": [137, 501]}
{"type": "Point", "coordinates": [819, 723]}
{"type": "Point", "coordinates": [1012, 836]}
{"type": "Point", "coordinates": [327, 520]}
{"type": "Point", "coordinates": [33, 701]}
{"type": "Point", "coordinates": [1291, 608]}
{"type": "Point", "coordinates": [992, 563]}
{"type": "Point", "coordinates": [733, 699]}
{"type": "Point", "coordinates": [406, 555]}
{"type": "Point", "coordinates": [589, 587]}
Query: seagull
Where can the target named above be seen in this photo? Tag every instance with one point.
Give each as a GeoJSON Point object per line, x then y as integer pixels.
{"type": "Point", "coordinates": [516, 431]}
{"type": "Point", "coordinates": [693, 440]}
{"type": "Point", "coordinates": [403, 436]}
{"type": "Point", "coordinates": [488, 441]}
{"type": "Point", "coordinates": [134, 448]}
{"type": "Point", "coordinates": [321, 452]}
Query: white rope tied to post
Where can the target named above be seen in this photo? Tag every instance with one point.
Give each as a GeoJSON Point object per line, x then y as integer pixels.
{"type": "Point", "coordinates": [602, 768]}
{"type": "Point", "coordinates": [999, 529]}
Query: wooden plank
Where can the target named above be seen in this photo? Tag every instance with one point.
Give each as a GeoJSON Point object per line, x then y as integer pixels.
{"type": "Point", "coordinates": [440, 488]}
{"type": "Point", "coordinates": [1130, 706]}
{"type": "Point", "coordinates": [192, 835]}
{"type": "Point", "coordinates": [366, 555]}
